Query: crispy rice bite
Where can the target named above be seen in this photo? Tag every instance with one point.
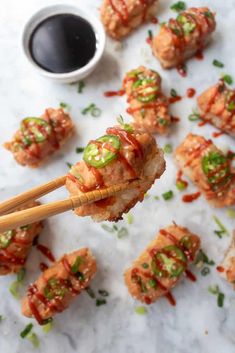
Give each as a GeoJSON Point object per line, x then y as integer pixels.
{"type": "Point", "coordinates": [183, 37]}
{"type": "Point", "coordinates": [15, 245]}
{"type": "Point", "coordinates": [227, 267]}
{"type": "Point", "coordinates": [147, 103]}
{"type": "Point", "coordinates": [217, 107]}
{"type": "Point", "coordinates": [120, 17]}
{"type": "Point", "coordinates": [38, 138]}
{"type": "Point", "coordinates": [159, 268]}
{"type": "Point", "coordinates": [57, 286]}
{"type": "Point", "coordinates": [208, 168]}
{"type": "Point", "coordinates": [122, 155]}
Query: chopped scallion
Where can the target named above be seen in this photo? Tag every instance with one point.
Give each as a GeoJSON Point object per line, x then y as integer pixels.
{"type": "Point", "coordinates": [69, 165]}
{"type": "Point", "coordinates": [178, 6]}
{"type": "Point", "coordinates": [228, 79]}
{"type": "Point", "coordinates": [180, 185]}
{"type": "Point", "coordinates": [103, 292]}
{"type": "Point", "coordinates": [205, 271]}
{"type": "Point", "coordinates": [168, 148]}
{"type": "Point", "coordinates": [21, 274]}
{"type": "Point", "coordinates": [26, 330]}
{"type": "Point", "coordinates": [122, 232]}
{"type": "Point", "coordinates": [168, 195]}
{"type": "Point", "coordinates": [141, 310]}
{"type": "Point", "coordinates": [218, 63]}
{"type": "Point", "coordinates": [107, 228]}
{"type": "Point", "coordinates": [230, 213]}
{"type": "Point", "coordinates": [81, 85]}
{"type": "Point", "coordinates": [33, 338]}
{"type": "Point", "coordinates": [100, 301]}
{"type": "Point", "coordinates": [222, 230]}
{"type": "Point", "coordinates": [65, 106]}
{"type": "Point", "coordinates": [194, 116]}
{"type": "Point", "coordinates": [90, 292]}
{"type": "Point", "coordinates": [80, 149]}
{"type": "Point", "coordinates": [220, 300]}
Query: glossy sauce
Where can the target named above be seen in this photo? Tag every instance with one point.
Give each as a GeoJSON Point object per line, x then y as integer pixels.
{"type": "Point", "coordinates": [46, 252]}
{"type": "Point", "coordinates": [121, 92]}
{"type": "Point", "coordinates": [220, 269]}
{"type": "Point", "coordinates": [123, 13]}
{"type": "Point", "coordinates": [63, 43]}
{"type": "Point", "coordinates": [217, 134]}
{"type": "Point", "coordinates": [191, 197]}
{"type": "Point", "coordinates": [174, 99]}
{"type": "Point", "coordinates": [191, 92]}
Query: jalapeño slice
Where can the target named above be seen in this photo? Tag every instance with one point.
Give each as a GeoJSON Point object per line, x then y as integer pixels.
{"type": "Point", "coordinates": [169, 262]}
{"type": "Point", "coordinates": [35, 130]}
{"type": "Point", "coordinates": [6, 239]}
{"type": "Point", "coordinates": [102, 151]}
{"type": "Point", "coordinates": [216, 167]}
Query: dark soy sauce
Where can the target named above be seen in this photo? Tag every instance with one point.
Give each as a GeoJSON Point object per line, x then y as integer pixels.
{"type": "Point", "coordinates": [63, 43]}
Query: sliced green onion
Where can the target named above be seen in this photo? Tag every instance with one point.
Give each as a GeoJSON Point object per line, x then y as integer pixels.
{"type": "Point", "coordinates": [222, 230]}
{"type": "Point", "coordinates": [168, 148]}
{"type": "Point", "coordinates": [77, 263]}
{"type": "Point", "coordinates": [90, 292]}
{"type": "Point", "coordinates": [205, 271]}
{"type": "Point", "coordinates": [145, 265]}
{"type": "Point", "coordinates": [48, 326]}
{"type": "Point", "coordinates": [123, 232]}
{"type": "Point", "coordinates": [125, 126]}
{"type": "Point", "coordinates": [69, 165]}
{"type": "Point", "coordinates": [103, 292]}
{"type": "Point", "coordinates": [100, 301]}
{"type": "Point", "coordinates": [231, 106]}
{"type": "Point", "coordinates": [202, 258]}
{"type": "Point", "coordinates": [33, 338]}
{"type": "Point", "coordinates": [156, 198]}
{"type": "Point", "coordinates": [220, 300]}
{"type": "Point", "coordinates": [178, 6]}
{"type": "Point", "coordinates": [96, 112]}
{"type": "Point", "coordinates": [152, 283]}
{"type": "Point", "coordinates": [194, 116]}
{"type": "Point", "coordinates": [130, 218]}
{"type": "Point", "coordinates": [173, 93]}
{"type": "Point", "coordinates": [150, 34]}
{"type": "Point", "coordinates": [141, 310]}
{"type": "Point", "coordinates": [80, 149]}
{"type": "Point", "coordinates": [14, 289]}
{"type": "Point", "coordinates": [26, 330]}
{"type": "Point", "coordinates": [168, 195]}
{"type": "Point", "coordinates": [107, 228]}
{"type": "Point", "coordinates": [213, 289]}
{"type": "Point", "coordinates": [230, 213]}
{"type": "Point", "coordinates": [228, 79]}
{"type": "Point", "coordinates": [88, 109]}
{"type": "Point", "coordinates": [180, 185]}
{"type": "Point", "coordinates": [21, 274]}
{"type": "Point", "coordinates": [65, 105]}
{"type": "Point", "coordinates": [218, 63]}
{"type": "Point", "coordinates": [81, 85]}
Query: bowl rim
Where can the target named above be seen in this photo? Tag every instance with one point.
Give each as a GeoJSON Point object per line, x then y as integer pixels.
{"type": "Point", "coordinates": [48, 11]}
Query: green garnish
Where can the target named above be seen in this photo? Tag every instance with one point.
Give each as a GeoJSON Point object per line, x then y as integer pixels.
{"type": "Point", "coordinates": [80, 149]}
{"type": "Point", "coordinates": [188, 27]}
{"type": "Point", "coordinates": [93, 110]}
{"type": "Point", "coordinates": [26, 330]}
{"type": "Point", "coordinates": [107, 228]}
{"type": "Point", "coordinates": [172, 260]}
{"type": "Point", "coordinates": [145, 265]}
{"type": "Point", "coordinates": [125, 126]}
{"type": "Point", "coordinates": [216, 167]}
{"type": "Point", "coordinates": [208, 14]}
{"type": "Point", "coordinates": [173, 93]}
{"type": "Point", "coordinates": [220, 296]}
{"type": "Point", "coordinates": [222, 230]}
{"type": "Point", "coordinates": [81, 85]}
{"type": "Point", "coordinates": [205, 271]}
{"type": "Point", "coordinates": [6, 238]}
{"type": "Point", "coordinates": [77, 263]}
{"type": "Point", "coordinates": [21, 274]}
{"type": "Point", "coordinates": [168, 148]}
{"type": "Point", "coordinates": [16, 285]}
{"type": "Point", "coordinates": [228, 79]}
{"type": "Point", "coordinates": [163, 122]}
{"type": "Point", "coordinates": [122, 232]}
{"type": "Point", "coordinates": [90, 292]}
{"type": "Point", "coordinates": [202, 258]}
{"type": "Point", "coordinates": [130, 218]}
{"type": "Point", "coordinates": [194, 116]}
{"type": "Point", "coordinates": [33, 338]}
{"type": "Point", "coordinates": [230, 213]}
{"type": "Point", "coordinates": [231, 106]}
{"type": "Point", "coordinates": [152, 283]}
{"type": "Point", "coordinates": [100, 301]}
{"type": "Point", "coordinates": [65, 106]}
{"type": "Point", "coordinates": [178, 6]}
{"type": "Point", "coordinates": [97, 155]}
{"type": "Point", "coordinates": [218, 63]}
{"type": "Point", "coordinates": [181, 185]}
{"type": "Point", "coordinates": [150, 34]}
{"type": "Point", "coordinates": [168, 195]}
{"type": "Point", "coordinates": [69, 165]}
{"type": "Point", "coordinates": [48, 326]}
{"type": "Point", "coordinates": [141, 310]}
{"type": "Point", "coordinates": [1, 318]}
{"type": "Point", "coordinates": [103, 292]}
{"type": "Point", "coordinates": [54, 289]}
{"type": "Point", "coordinates": [156, 198]}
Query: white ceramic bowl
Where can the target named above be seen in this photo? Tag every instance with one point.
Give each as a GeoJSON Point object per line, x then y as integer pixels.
{"type": "Point", "coordinates": [46, 12]}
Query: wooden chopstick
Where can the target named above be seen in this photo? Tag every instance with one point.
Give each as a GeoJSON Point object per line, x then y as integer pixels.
{"type": "Point", "coordinates": [31, 195]}
{"type": "Point", "coordinates": [31, 215]}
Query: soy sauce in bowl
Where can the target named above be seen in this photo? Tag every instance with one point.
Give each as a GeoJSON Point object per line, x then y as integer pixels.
{"type": "Point", "coordinates": [63, 43]}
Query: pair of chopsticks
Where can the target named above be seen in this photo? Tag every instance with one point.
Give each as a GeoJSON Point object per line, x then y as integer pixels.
{"type": "Point", "coordinates": [38, 213]}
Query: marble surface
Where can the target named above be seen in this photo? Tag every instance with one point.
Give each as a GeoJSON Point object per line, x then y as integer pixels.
{"type": "Point", "coordinates": [196, 324]}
